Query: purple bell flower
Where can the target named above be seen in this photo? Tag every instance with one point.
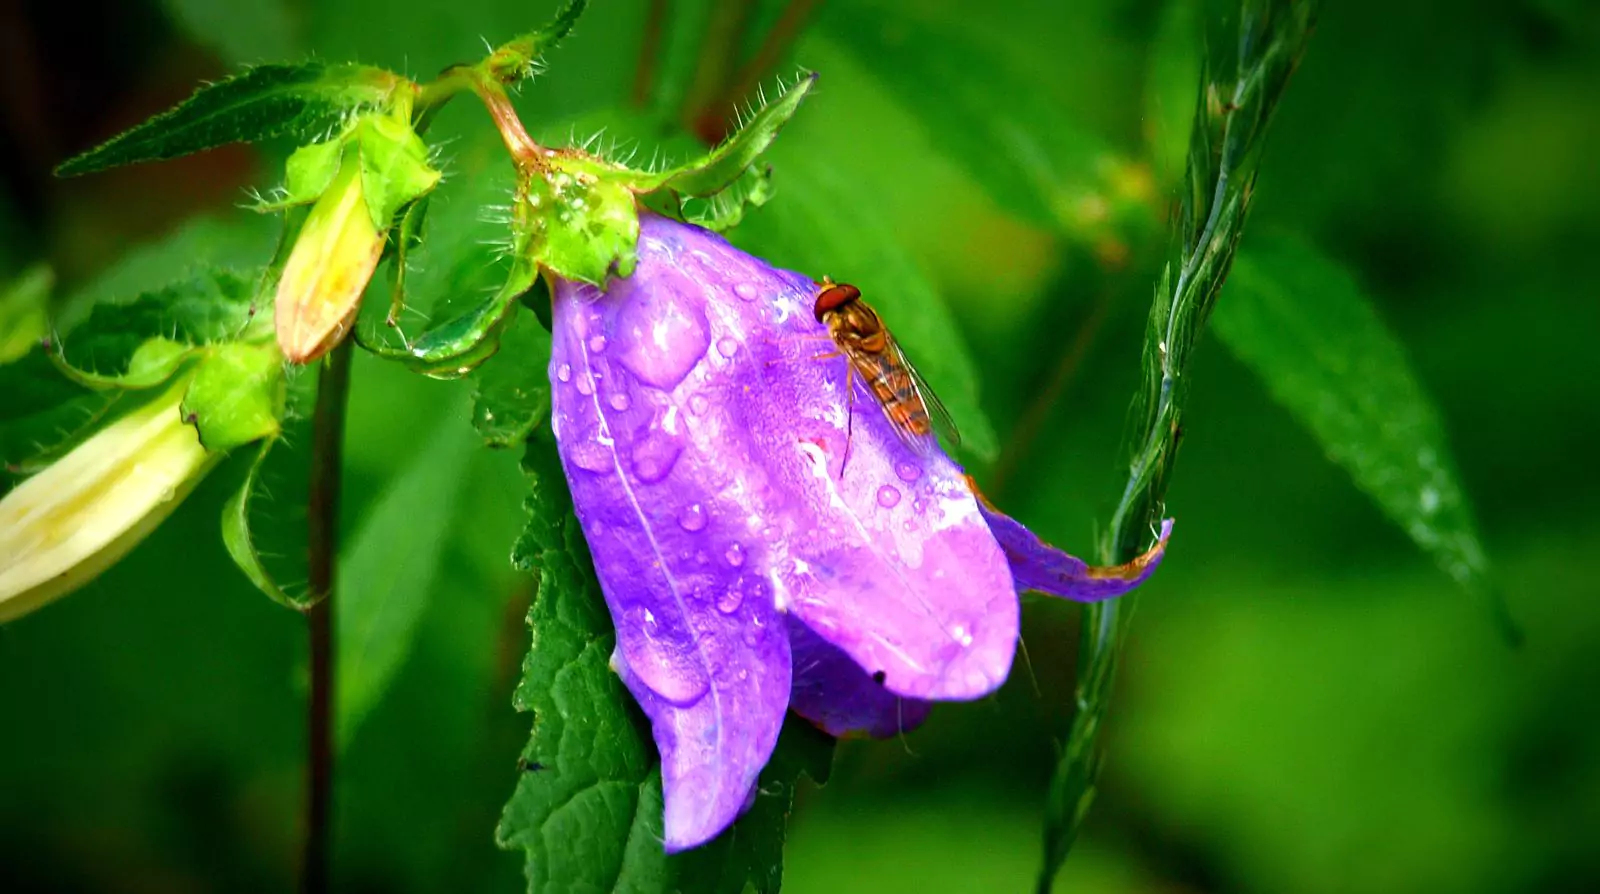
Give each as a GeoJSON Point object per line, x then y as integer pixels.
{"type": "Point", "coordinates": [747, 567]}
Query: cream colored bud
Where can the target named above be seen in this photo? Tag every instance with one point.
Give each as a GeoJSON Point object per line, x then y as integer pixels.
{"type": "Point", "coordinates": [65, 525]}
{"type": "Point", "coordinates": [328, 269]}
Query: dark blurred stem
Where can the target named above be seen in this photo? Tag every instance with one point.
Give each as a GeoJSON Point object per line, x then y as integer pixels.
{"type": "Point", "coordinates": [644, 74]}
{"type": "Point", "coordinates": [718, 54]}
{"type": "Point", "coordinates": [1038, 410]}
{"type": "Point", "coordinates": [773, 47]}
{"type": "Point", "coordinates": [322, 527]}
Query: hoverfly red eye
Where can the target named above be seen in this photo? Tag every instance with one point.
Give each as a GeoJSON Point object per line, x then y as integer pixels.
{"type": "Point", "coordinates": [834, 297]}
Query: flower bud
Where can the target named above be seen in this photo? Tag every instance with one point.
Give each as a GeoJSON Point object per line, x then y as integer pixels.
{"type": "Point", "coordinates": [328, 269]}
{"type": "Point", "coordinates": [78, 516]}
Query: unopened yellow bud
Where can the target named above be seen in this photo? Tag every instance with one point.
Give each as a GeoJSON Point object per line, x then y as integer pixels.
{"type": "Point", "coordinates": [65, 525]}
{"type": "Point", "coordinates": [334, 257]}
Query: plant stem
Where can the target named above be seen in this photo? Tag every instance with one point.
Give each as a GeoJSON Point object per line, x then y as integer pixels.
{"type": "Point", "coordinates": [644, 74]}
{"type": "Point", "coordinates": [322, 526]}
{"type": "Point", "coordinates": [1224, 156]}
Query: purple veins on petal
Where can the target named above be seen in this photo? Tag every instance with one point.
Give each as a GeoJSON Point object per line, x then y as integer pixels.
{"type": "Point", "coordinates": [840, 697]}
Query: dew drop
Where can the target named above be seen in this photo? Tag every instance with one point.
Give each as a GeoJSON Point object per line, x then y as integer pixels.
{"type": "Point", "coordinates": [564, 372]}
{"type": "Point", "coordinates": [734, 555]}
{"type": "Point", "coordinates": [727, 347]}
{"type": "Point", "coordinates": [698, 404]}
{"type": "Point", "coordinates": [654, 456]}
{"type": "Point", "coordinates": [620, 402]}
{"type": "Point", "coordinates": [692, 518]}
{"type": "Point", "coordinates": [585, 386]}
{"type": "Point", "coordinates": [661, 340]}
{"type": "Point", "coordinates": [918, 505]}
{"type": "Point", "coordinates": [591, 456]}
{"type": "Point", "coordinates": [745, 291]}
{"type": "Point", "coordinates": [888, 496]}
{"type": "Point", "coordinates": [907, 470]}
{"type": "Point", "coordinates": [730, 600]}
{"type": "Point", "coordinates": [597, 344]}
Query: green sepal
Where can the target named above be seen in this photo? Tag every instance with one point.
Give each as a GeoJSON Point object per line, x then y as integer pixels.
{"type": "Point", "coordinates": [725, 210]}
{"type": "Point", "coordinates": [140, 344]}
{"type": "Point", "coordinates": [579, 219]}
{"type": "Point", "coordinates": [518, 58]}
{"type": "Point", "coordinates": [513, 394]}
{"type": "Point", "coordinates": [264, 521]}
{"type": "Point", "coordinates": [43, 413]}
{"type": "Point", "coordinates": [236, 396]}
{"type": "Point", "coordinates": [456, 347]}
{"type": "Point", "coordinates": [304, 101]}
{"type": "Point", "coordinates": [307, 175]}
{"type": "Point", "coordinates": [394, 167]}
{"type": "Point", "coordinates": [723, 165]}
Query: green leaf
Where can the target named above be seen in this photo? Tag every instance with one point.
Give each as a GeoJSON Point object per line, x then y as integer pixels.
{"type": "Point", "coordinates": [587, 806]}
{"type": "Point", "coordinates": [264, 521]}
{"type": "Point", "coordinates": [24, 319]}
{"type": "Point", "coordinates": [236, 396]}
{"type": "Point", "coordinates": [804, 230]}
{"type": "Point", "coordinates": [141, 343]}
{"type": "Point", "coordinates": [513, 395]}
{"type": "Point", "coordinates": [303, 101]}
{"type": "Point", "coordinates": [43, 413]}
{"type": "Point", "coordinates": [1303, 324]}
{"type": "Point", "coordinates": [725, 210]}
{"type": "Point", "coordinates": [389, 571]}
{"type": "Point", "coordinates": [725, 164]}
{"type": "Point", "coordinates": [1001, 125]}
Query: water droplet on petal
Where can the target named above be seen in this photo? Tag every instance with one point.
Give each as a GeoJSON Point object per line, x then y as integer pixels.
{"type": "Point", "coordinates": [734, 555]}
{"type": "Point", "coordinates": [727, 347]}
{"type": "Point", "coordinates": [654, 456]}
{"type": "Point", "coordinates": [692, 518]}
{"type": "Point", "coordinates": [918, 506]}
{"type": "Point", "coordinates": [698, 404]}
{"type": "Point", "coordinates": [585, 386]}
{"type": "Point", "coordinates": [661, 337]}
{"type": "Point", "coordinates": [745, 290]}
{"type": "Point", "coordinates": [620, 402]}
{"type": "Point", "coordinates": [597, 344]}
{"type": "Point", "coordinates": [564, 372]}
{"type": "Point", "coordinates": [888, 496]}
{"type": "Point", "coordinates": [730, 600]}
{"type": "Point", "coordinates": [907, 470]}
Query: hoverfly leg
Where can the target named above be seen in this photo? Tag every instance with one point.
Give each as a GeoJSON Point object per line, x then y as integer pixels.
{"type": "Point", "coordinates": [849, 415]}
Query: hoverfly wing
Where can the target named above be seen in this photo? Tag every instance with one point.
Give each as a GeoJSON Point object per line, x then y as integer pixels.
{"type": "Point", "coordinates": [937, 413]}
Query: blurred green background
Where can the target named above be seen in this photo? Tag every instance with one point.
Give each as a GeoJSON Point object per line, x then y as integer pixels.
{"type": "Point", "coordinates": [1307, 704]}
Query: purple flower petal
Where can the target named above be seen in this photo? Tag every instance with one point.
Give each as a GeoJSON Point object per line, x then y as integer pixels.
{"type": "Point", "coordinates": [670, 489]}
{"type": "Point", "coordinates": [1036, 565]}
{"type": "Point", "coordinates": [841, 698]}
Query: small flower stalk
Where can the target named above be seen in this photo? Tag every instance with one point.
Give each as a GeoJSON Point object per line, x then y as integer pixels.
{"type": "Point", "coordinates": [749, 566]}
{"type": "Point", "coordinates": [358, 185]}
{"type": "Point", "coordinates": [79, 515]}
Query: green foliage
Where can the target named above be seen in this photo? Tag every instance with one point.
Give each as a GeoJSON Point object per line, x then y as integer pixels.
{"type": "Point", "coordinates": [818, 227]}
{"type": "Point", "coordinates": [139, 344]}
{"type": "Point", "coordinates": [722, 166]}
{"type": "Point", "coordinates": [513, 394]}
{"type": "Point", "coordinates": [264, 520]}
{"type": "Point", "coordinates": [587, 807]}
{"type": "Point", "coordinates": [1224, 153]}
{"type": "Point", "coordinates": [303, 101]}
{"type": "Point", "coordinates": [1306, 328]}
{"type": "Point", "coordinates": [236, 396]}
{"type": "Point", "coordinates": [23, 319]}
{"type": "Point", "coordinates": [998, 123]}
{"type": "Point", "coordinates": [389, 570]}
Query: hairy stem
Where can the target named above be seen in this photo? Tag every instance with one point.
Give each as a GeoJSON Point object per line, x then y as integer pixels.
{"type": "Point", "coordinates": [323, 545]}
{"type": "Point", "coordinates": [1224, 155]}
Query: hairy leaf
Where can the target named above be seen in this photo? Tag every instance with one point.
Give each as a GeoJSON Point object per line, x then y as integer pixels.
{"type": "Point", "coordinates": [236, 396]}
{"type": "Point", "coordinates": [1304, 325]}
{"type": "Point", "coordinates": [43, 413]}
{"type": "Point", "coordinates": [264, 521]}
{"type": "Point", "coordinates": [140, 343]}
{"type": "Point", "coordinates": [513, 395]}
{"type": "Point", "coordinates": [587, 806]}
{"type": "Point", "coordinates": [723, 165]}
{"type": "Point", "coordinates": [805, 231]}
{"type": "Point", "coordinates": [389, 571]}
{"type": "Point", "coordinates": [304, 101]}
{"type": "Point", "coordinates": [519, 58]}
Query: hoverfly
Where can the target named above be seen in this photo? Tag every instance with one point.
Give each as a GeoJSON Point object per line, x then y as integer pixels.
{"type": "Point", "coordinates": [861, 338]}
